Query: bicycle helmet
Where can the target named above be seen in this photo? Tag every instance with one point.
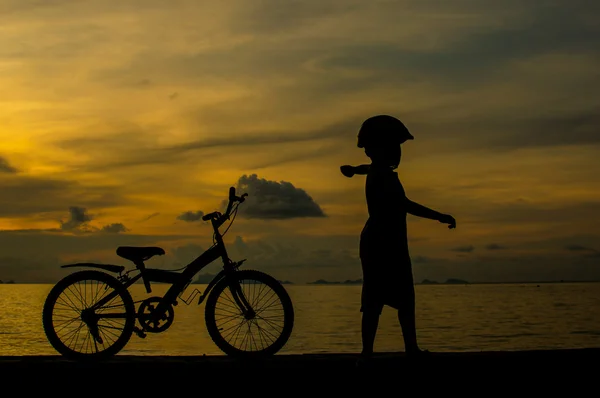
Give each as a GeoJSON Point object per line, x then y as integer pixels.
{"type": "Point", "coordinates": [383, 130]}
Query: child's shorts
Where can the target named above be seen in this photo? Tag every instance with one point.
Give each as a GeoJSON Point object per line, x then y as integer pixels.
{"type": "Point", "coordinates": [387, 283]}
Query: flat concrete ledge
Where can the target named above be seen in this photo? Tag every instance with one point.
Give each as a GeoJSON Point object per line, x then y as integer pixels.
{"type": "Point", "coordinates": [544, 369]}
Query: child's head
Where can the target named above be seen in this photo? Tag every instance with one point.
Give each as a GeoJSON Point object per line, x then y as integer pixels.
{"type": "Point", "coordinates": [381, 137]}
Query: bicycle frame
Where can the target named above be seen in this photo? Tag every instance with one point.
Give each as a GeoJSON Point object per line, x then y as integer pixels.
{"type": "Point", "coordinates": [179, 281]}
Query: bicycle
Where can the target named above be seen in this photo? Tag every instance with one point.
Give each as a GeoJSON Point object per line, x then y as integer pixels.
{"type": "Point", "coordinates": [108, 313]}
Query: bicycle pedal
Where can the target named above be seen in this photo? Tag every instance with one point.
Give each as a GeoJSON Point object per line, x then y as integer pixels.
{"type": "Point", "coordinates": [140, 333]}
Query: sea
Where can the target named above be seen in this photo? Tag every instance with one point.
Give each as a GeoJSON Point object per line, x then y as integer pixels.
{"type": "Point", "coordinates": [450, 318]}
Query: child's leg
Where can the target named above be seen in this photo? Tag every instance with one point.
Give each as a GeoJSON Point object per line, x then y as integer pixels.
{"type": "Point", "coordinates": [370, 322]}
{"type": "Point", "coordinates": [409, 329]}
{"type": "Point", "coordinates": [407, 319]}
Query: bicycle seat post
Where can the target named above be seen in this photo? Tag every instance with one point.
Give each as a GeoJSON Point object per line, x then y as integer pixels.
{"type": "Point", "coordinates": [142, 267]}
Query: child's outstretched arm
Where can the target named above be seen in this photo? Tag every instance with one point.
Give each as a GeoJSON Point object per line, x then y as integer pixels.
{"type": "Point", "coordinates": [421, 211]}
{"type": "Point", "coordinates": [350, 171]}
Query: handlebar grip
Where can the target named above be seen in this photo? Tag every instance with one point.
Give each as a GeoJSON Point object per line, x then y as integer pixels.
{"type": "Point", "coordinates": [231, 193]}
{"type": "Point", "coordinates": [208, 216]}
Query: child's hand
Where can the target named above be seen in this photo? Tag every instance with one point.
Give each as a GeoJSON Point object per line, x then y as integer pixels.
{"type": "Point", "coordinates": [448, 219]}
{"type": "Point", "coordinates": [347, 170]}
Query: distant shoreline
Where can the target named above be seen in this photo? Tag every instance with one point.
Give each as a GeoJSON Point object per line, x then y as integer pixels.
{"type": "Point", "coordinates": [454, 281]}
{"type": "Point", "coordinates": [334, 283]}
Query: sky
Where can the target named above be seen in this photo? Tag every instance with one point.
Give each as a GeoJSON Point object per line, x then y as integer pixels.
{"type": "Point", "coordinates": [121, 123]}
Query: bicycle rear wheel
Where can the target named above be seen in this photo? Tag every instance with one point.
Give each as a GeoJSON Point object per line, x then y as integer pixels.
{"type": "Point", "coordinates": [80, 329]}
{"type": "Point", "coordinates": [262, 334]}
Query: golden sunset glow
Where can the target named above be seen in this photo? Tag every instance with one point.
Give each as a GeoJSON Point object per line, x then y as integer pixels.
{"type": "Point", "coordinates": [134, 113]}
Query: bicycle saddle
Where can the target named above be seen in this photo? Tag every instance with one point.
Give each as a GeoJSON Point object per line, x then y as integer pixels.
{"type": "Point", "coordinates": [132, 253]}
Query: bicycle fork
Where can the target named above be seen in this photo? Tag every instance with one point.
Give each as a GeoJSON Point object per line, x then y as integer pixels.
{"type": "Point", "coordinates": [240, 299]}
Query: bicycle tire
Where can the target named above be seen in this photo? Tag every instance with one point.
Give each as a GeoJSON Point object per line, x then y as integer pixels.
{"type": "Point", "coordinates": [64, 285]}
{"type": "Point", "coordinates": [283, 299]}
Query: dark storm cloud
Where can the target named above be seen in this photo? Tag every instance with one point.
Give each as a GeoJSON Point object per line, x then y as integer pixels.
{"type": "Point", "coordinates": [5, 167]}
{"type": "Point", "coordinates": [191, 216]}
{"type": "Point", "coordinates": [275, 200]}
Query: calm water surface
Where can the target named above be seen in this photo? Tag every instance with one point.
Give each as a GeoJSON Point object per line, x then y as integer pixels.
{"type": "Point", "coordinates": [449, 318]}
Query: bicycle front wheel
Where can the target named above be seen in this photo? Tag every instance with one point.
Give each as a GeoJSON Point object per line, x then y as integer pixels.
{"type": "Point", "coordinates": [265, 330]}
{"type": "Point", "coordinates": [88, 315]}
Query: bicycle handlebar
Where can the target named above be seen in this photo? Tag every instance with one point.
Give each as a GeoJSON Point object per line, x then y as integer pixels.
{"type": "Point", "coordinates": [222, 217]}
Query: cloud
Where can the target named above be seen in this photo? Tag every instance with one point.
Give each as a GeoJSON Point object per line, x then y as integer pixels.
{"type": "Point", "coordinates": [560, 129]}
{"type": "Point", "coordinates": [78, 219]}
{"type": "Point", "coordinates": [421, 259]}
{"type": "Point", "coordinates": [275, 200]}
{"type": "Point", "coordinates": [114, 228]}
{"type": "Point", "coordinates": [191, 216]}
{"type": "Point", "coordinates": [24, 195]}
{"type": "Point", "coordinates": [578, 248]}
{"type": "Point", "coordinates": [299, 258]}
{"type": "Point", "coordinates": [29, 270]}
{"type": "Point", "coordinates": [240, 245]}
{"type": "Point", "coordinates": [495, 246]}
{"type": "Point", "coordinates": [5, 167]}
{"type": "Point", "coordinates": [464, 249]}
{"type": "Point", "coordinates": [106, 148]}
{"type": "Point", "coordinates": [78, 222]}
{"type": "Point", "coordinates": [149, 217]}
{"type": "Point", "coordinates": [252, 138]}
{"type": "Point", "coordinates": [504, 94]}
{"type": "Point", "coordinates": [587, 251]}
{"type": "Point", "coordinates": [276, 18]}
{"type": "Point", "coordinates": [185, 254]}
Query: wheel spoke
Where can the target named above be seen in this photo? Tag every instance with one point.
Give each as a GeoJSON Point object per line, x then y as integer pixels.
{"type": "Point", "coordinates": [75, 327]}
{"type": "Point", "coordinates": [268, 325]}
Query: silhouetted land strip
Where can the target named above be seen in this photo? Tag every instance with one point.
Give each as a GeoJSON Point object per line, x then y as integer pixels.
{"type": "Point", "coordinates": [450, 281]}
{"type": "Point", "coordinates": [544, 369]}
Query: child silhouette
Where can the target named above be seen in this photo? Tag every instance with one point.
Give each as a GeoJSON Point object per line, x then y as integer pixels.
{"type": "Point", "coordinates": [384, 254]}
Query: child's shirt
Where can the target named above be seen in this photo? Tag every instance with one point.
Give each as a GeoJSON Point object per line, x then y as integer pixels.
{"type": "Point", "coordinates": [386, 227]}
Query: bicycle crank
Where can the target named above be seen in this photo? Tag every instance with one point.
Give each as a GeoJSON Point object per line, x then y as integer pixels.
{"type": "Point", "coordinates": [150, 320]}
